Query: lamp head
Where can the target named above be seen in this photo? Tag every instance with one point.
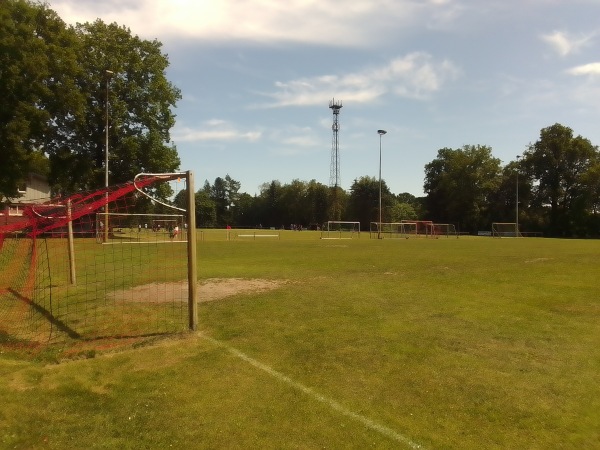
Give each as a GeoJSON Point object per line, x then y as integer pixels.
{"type": "Point", "coordinates": [381, 132]}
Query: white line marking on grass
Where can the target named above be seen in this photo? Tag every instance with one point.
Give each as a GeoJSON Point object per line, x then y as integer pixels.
{"type": "Point", "coordinates": [331, 403]}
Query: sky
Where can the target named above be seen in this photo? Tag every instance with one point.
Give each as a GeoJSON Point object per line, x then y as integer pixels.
{"type": "Point", "coordinates": [257, 77]}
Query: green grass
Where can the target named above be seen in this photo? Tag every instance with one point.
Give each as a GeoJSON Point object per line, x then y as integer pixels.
{"type": "Point", "coordinates": [446, 343]}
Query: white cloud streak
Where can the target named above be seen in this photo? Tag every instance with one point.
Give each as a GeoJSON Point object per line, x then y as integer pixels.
{"type": "Point", "coordinates": [592, 69]}
{"type": "Point", "coordinates": [566, 44]}
{"type": "Point", "coordinates": [215, 130]}
{"type": "Point", "coordinates": [416, 75]}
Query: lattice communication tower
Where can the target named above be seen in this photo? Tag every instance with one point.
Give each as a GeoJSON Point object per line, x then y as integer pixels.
{"type": "Point", "coordinates": [334, 173]}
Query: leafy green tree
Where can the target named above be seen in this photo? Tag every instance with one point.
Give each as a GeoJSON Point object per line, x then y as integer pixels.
{"type": "Point", "coordinates": [363, 201]}
{"type": "Point", "coordinates": [224, 194]}
{"type": "Point", "coordinates": [206, 209]}
{"type": "Point", "coordinates": [245, 211]}
{"type": "Point", "coordinates": [54, 87]}
{"type": "Point", "coordinates": [318, 199]}
{"type": "Point", "coordinates": [123, 76]}
{"type": "Point", "coordinates": [415, 203]}
{"type": "Point", "coordinates": [218, 194]}
{"type": "Point", "coordinates": [270, 204]}
{"type": "Point", "coordinates": [503, 200]}
{"type": "Point", "coordinates": [402, 211]}
{"type": "Point", "coordinates": [294, 204]}
{"type": "Point", "coordinates": [459, 184]}
{"type": "Point", "coordinates": [38, 65]}
{"type": "Point", "coordinates": [557, 164]}
{"type": "Point", "coordinates": [591, 180]}
{"type": "Point", "coordinates": [406, 197]}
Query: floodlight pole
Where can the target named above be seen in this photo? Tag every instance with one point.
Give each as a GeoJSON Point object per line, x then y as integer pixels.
{"type": "Point", "coordinates": [381, 133]}
{"type": "Point", "coordinates": [517, 201]}
{"type": "Point", "coordinates": [107, 74]}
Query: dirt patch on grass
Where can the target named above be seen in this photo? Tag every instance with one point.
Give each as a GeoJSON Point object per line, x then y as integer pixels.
{"type": "Point", "coordinates": [219, 288]}
{"type": "Point", "coordinates": [208, 290]}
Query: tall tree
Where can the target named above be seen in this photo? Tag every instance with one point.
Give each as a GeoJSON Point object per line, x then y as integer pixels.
{"type": "Point", "coordinates": [363, 201]}
{"type": "Point", "coordinates": [206, 209]}
{"type": "Point", "coordinates": [318, 199]}
{"type": "Point", "coordinates": [224, 194]}
{"type": "Point", "coordinates": [270, 204]}
{"type": "Point", "coordinates": [557, 163]}
{"type": "Point", "coordinates": [415, 203]}
{"type": "Point", "coordinates": [38, 61]}
{"type": "Point", "coordinates": [122, 79]}
{"type": "Point", "coordinates": [295, 205]}
{"type": "Point", "coordinates": [591, 180]}
{"type": "Point", "coordinates": [459, 183]}
{"type": "Point", "coordinates": [400, 211]}
{"type": "Point", "coordinates": [54, 87]}
{"type": "Point", "coordinates": [245, 211]}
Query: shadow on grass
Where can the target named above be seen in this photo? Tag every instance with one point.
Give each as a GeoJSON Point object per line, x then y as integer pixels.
{"type": "Point", "coordinates": [60, 325]}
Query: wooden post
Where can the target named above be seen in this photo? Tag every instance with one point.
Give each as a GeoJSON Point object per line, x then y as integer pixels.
{"type": "Point", "coordinates": [71, 245]}
{"type": "Point", "coordinates": [192, 262]}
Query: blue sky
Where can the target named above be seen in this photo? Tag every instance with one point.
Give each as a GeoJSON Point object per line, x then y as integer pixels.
{"type": "Point", "coordinates": [257, 77]}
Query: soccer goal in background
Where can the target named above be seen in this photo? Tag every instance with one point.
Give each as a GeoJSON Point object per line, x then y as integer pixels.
{"type": "Point", "coordinates": [436, 230]}
{"type": "Point", "coordinates": [505, 229]}
{"type": "Point", "coordinates": [423, 227]}
{"type": "Point", "coordinates": [392, 230]}
{"type": "Point", "coordinates": [98, 265]}
{"type": "Point", "coordinates": [141, 227]}
{"type": "Point", "coordinates": [335, 229]}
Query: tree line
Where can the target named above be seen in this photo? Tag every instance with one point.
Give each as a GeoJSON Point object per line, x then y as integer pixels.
{"type": "Point", "coordinates": [299, 204]}
{"type": "Point", "coordinates": [70, 92]}
{"type": "Point", "coordinates": [553, 188]}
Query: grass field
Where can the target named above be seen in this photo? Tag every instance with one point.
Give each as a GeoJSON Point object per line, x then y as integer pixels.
{"type": "Point", "coordinates": [435, 343]}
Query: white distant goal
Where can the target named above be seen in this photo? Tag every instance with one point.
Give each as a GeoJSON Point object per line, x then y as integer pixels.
{"type": "Point", "coordinates": [505, 229]}
{"type": "Point", "coordinates": [392, 230]}
{"type": "Point", "coordinates": [335, 229]}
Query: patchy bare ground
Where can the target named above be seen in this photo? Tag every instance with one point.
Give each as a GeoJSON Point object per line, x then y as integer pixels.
{"type": "Point", "coordinates": [208, 290]}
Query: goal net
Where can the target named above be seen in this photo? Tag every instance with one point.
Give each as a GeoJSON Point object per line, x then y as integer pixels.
{"type": "Point", "coordinates": [139, 227]}
{"type": "Point", "coordinates": [505, 229]}
{"type": "Point", "coordinates": [436, 230]}
{"type": "Point", "coordinates": [335, 229]}
{"type": "Point", "coordinates": [423, 227]}
{"type": "Point", "coordinates": [63, 280]}
{"type": "Point", "coordinates": [392, 230]}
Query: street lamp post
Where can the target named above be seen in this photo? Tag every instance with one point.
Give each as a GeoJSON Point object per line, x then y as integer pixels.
{"type": "Point", "coordinates": [107, 74]}
{"type": "Point", "coordinates": [381, 133]}
{"type": "Point", "coordinates": [517, 201]}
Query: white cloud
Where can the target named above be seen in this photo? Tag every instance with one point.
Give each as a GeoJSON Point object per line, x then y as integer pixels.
{"type": "Point", "coordinates": [302, 141]}
{"type": "Point", "coordinates": [214, 130]}
{"type": "Point", "coordinates": [565, 44]}
{"type": "Point", "coordinates": [354, 23]}
{"type": "Point", "coordinates": [586, 69]}
{"type": "Point", "coordinates": [295, 136]}
{"type": "Point", "coordinates": [416, 75]}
